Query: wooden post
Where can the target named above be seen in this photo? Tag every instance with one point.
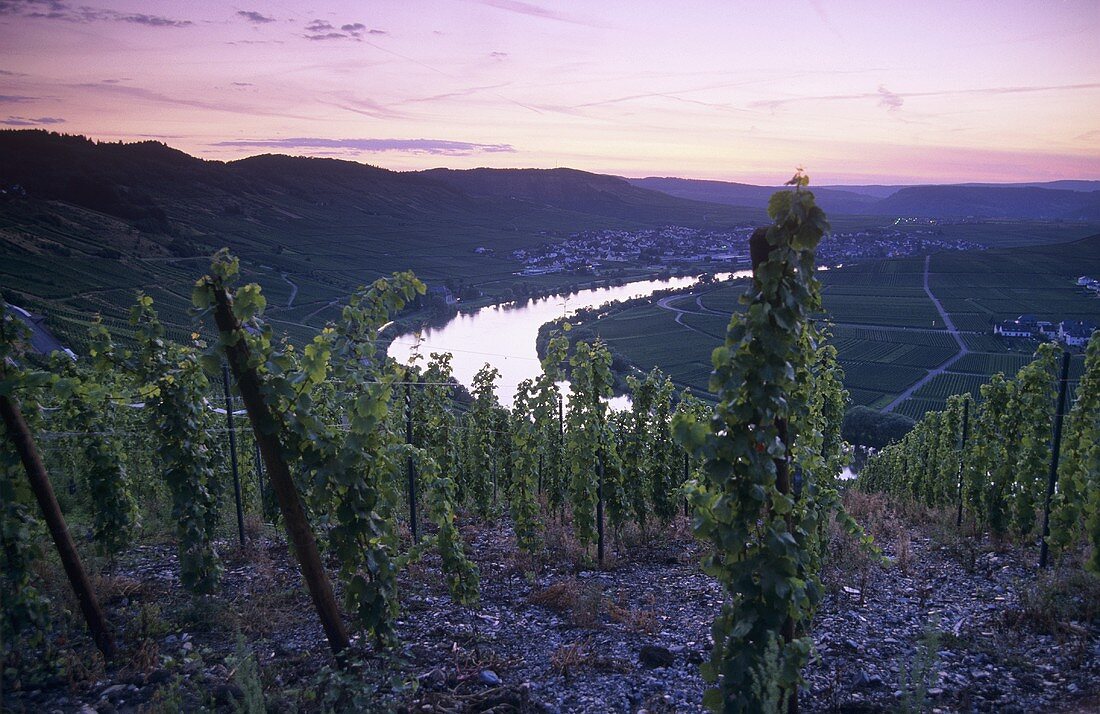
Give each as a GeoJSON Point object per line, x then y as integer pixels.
{"type": "Point", "coordinates": [410, 467]}
{"type": "Point", "coordinates": [599, 508]}
{"type": "Point", "coordinates": [759, 248]}
{"type": "Point", "coordinates": [265, 427]}
{"type": "Point", "coordinates": [233, 453]}
{"type": "Point", "coordinates": [1052, 479]}
{"type": "Point", "coordinates": [962, 458]}
{"type": "Point", "coordinates": [21, 439]}
{"type": "Point", "coordinates": [687, 472]}
{"type": "Point", "coordinates": [259, 469]}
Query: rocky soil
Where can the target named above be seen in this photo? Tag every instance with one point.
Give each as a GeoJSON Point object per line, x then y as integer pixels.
{"type": "Point", "coordinates": [943, 623]}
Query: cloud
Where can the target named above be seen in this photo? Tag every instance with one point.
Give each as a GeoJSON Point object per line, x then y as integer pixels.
{"type": "Point", "coordinates": [15, 99]}
{"type": "Point", "coordinates": [255, 17]}
{"type": "Point", "coordinates": [58, 10]}
{"type": "Point", "coordinates": [23, 121]}
{"type": "Point", "coordinates": [323, 30]}
{"type": "Point", "coordinates": [242, 84]}
{"type": "Point", "coordinates": [532, 10]}
{"type": "Point", "coordinates": [437, 147]}
{"type": "Point", "coordinates": [889, 100]}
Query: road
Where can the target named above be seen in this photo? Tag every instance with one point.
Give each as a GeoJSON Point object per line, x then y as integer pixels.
{"type": "Point", "coordinates": [665, 304]}
{"type": "Point", "coordinates": [293, 291]}
{"type": "Point", "coordinates": [932, 373]}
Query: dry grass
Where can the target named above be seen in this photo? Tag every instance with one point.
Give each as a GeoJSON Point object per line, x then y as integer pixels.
{"type": "Point", "coordinates": [903, 556]}
{"type": "Point", "coordinates": [583, 603]}
{"type": "Point", "coordinates": [571, 658]}
{"type": "Point", "coordinates": [634, 619]}
{"type": "Point", "coordinates": [113, 589]}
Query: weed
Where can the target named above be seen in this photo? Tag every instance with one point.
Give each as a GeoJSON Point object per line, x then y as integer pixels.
{"type": "Point", "coordinates": [168, 699]}
{"type": "Point", "coordinates": [915, 678]}
{"type": "Point", "coordinates": [1056, 601]}
{"type": "Point", "coordinates": [246, 673]}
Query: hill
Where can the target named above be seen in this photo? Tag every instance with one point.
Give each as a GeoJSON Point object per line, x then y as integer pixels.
{"type": "Point", "coordinates": [992, 202]}
{"type": "Point", "coordinates": [743, 194]}
{"type": "Point", "coordinates": [84, 225]}
{"type": "Point", "coordinates": [583, 192]}
{"type": "Point", "coordinates": [1056, 200]}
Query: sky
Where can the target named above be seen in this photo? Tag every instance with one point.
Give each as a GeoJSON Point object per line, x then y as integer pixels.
{"type": "Point", "coordinates": [883, 91]}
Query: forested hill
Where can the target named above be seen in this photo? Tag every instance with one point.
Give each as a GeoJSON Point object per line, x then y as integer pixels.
{"type": "Point", "coordinates": [1057, 200]}
{"type": "Point", "coordinates": [743, 194]}
{"type": "Point", "coordinates": [149, 180]}
{"type": "Point", "coordinates": [582, 192]}
{"type": "Point", "coordinates": [85, 225]}
{"type": "Point", "coordinates": [992, 202]}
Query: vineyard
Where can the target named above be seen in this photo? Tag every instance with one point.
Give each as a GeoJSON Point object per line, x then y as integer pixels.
{"type": "Point", "coordinates": [379, 472]}
{"type": "Point", "coordinates": [1018, 455]}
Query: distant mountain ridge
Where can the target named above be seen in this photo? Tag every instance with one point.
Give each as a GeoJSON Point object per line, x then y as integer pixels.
{"type": "Point", "coordinates": [1065, 200]}
{"type": "Point", "coordinates": [569, 189]}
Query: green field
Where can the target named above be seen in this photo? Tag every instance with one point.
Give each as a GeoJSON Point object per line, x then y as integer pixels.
{"type": "Point", "coordinates": [886, 329]}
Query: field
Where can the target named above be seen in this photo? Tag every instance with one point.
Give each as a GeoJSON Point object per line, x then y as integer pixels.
{"type": "Point", "coordinates": [887, 331]}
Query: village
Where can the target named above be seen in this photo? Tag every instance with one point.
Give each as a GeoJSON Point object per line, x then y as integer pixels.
{"type": "Point", "coordinates": [593, 252]}
{"type": "Point", "coordinates": [1073, 333]}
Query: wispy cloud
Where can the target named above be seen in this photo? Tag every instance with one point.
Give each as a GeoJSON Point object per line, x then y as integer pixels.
{"type": "Point", "coordinates": [24, 121]}
{"type": "Point", "coordinates": [159, 98]}
{"type": "Point", "coordinates": [532, 10]}
{"type": "Point", "coordinates": [893, 100]}
{"type": "Point", "coordinates": [824, 16]}
{"type": "Point", "coordinates": [58, 10]}
{"type": "Point", "coordinates": [437, 147]}
{"type": "Point", "coordinates": [465, 92]}
{"type": "Point", "coordinates": [367, 107]}
{"type": "Point", "coordinates": [254, 17]}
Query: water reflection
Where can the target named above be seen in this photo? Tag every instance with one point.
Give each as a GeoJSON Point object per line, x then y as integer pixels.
{"type": "Point", "coordinates": [504, 335]}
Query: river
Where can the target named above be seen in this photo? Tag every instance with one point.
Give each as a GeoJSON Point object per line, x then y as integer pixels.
{"type": "Point", "coordinates": [504, 335]}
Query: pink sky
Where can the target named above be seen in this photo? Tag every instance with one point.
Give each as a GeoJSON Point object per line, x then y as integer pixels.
{"type": "Point", "coordinates": [879, 91]}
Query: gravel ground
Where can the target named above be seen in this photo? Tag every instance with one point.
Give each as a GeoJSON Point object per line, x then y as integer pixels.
{"type": "Point", "coordinates": [963, 620]}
